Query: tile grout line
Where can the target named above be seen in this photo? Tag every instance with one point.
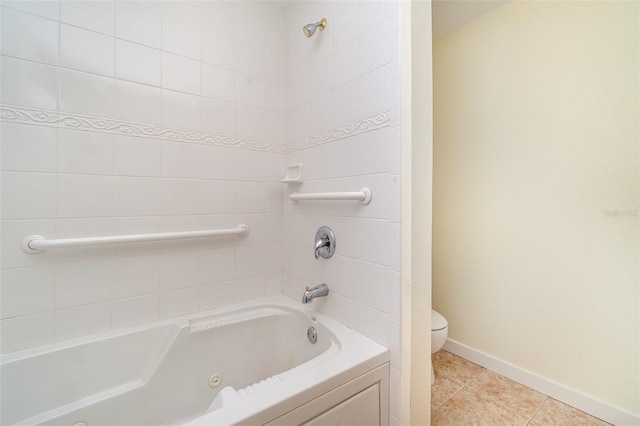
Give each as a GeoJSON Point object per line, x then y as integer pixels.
{"type": "Point", "coordinates": [465, 384]}
{"type": "Point", "coordinates": [537, 409]}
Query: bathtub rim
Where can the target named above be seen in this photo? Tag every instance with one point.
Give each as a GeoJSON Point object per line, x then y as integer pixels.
{"type": "Point", "coordinates": [344, 365]}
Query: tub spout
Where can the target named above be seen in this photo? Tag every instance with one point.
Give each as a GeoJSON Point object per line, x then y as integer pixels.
{"type": "Point", "coordinates": [311, 293]}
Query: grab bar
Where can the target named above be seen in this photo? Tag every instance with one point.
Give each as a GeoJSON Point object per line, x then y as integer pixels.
{"type": "Point", "coordinates": [38, 243]}
{"type": "Point", "coordinates": [363, 195]}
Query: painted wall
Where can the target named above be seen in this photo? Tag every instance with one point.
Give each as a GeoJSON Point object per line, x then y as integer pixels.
{"type": "Point", "coordinates": [536, 191]}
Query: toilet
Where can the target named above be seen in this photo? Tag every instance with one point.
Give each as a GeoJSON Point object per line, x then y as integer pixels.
{"type": "Point", "coordinates": [439, 329]}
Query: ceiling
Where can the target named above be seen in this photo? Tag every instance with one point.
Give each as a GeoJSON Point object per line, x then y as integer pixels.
{"type": "Point", "coordinates": [450, 14]}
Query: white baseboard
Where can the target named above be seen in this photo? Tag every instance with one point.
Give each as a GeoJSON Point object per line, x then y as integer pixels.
{"type": "Point", "coordinates": [588, 404]}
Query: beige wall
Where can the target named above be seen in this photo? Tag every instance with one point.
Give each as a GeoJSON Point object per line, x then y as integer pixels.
{"type": "Point", "coordinates": [536, 187]}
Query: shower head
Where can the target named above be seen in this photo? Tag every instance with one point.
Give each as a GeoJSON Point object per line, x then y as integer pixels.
{"type": "Point", "coordinates": [309, 29]}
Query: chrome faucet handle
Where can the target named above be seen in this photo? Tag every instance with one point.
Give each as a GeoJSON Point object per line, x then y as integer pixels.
{"type": "Point", "coordinates": [325, 243]}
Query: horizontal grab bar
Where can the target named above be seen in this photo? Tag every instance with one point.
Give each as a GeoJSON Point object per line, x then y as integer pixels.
{"type": "Point", "coordinates": [38, 243]}
{"type": "Point", "coordinates": [363, 195]}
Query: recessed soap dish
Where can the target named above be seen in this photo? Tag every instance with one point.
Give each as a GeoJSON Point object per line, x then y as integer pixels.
{"type": "Point", "coordinates": [294, 174]}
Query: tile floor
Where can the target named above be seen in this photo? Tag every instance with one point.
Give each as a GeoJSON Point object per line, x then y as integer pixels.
{"type": "Point", "coordinates": [466, 394]}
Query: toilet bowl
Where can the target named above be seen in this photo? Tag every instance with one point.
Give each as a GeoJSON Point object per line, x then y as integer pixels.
{"type": "Point", "coordinates": [439, 329]}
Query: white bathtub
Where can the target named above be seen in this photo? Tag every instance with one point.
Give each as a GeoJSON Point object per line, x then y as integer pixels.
{"type": "Point", "coordinates": [251, 363]}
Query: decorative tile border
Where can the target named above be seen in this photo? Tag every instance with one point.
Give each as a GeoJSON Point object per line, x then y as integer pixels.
{"type": "Point", "coordinates": [363, 125]}
{"type": "Point", "coordinates": [22, 115]}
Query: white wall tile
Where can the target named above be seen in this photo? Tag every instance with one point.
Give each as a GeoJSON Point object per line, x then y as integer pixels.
{"type": "Point", "coordinates": [275, 129]}
{"type": "Point", "coordinates": [394, 388]}
{"type": "Point", "coordinates": [179, 270]}
{"type": "Point", "coordinates": [180, 196]}
{"type": "Point", "coordinates": [321, 114]}
{"type": "Point", "coordinates": [137, 196]}
{"type": "Point", "coordinates": [250, 45]}
{"type": "Point", "coordinates": [85, 196]}
{"type": "Point", "coordinates": [45, 8]}
{"type": "Point", "coordinates": [29, 37]}
{"type": "Point", "coordinates": [182, 37]}
{"type": "Point", "coordinates": [218, 83]}
{"type": "Point", "coordinates": [86, 94]}
{"type": "Point", "coordinates": [250, 166]}
{"type": "Point", "coordinates": [371, 13]}
{"type": "Point", "coordinates": [344, 65]}
{"type": "Point", "coordinates": [93, 15]}
{"type": "Point", "coordinates": [249, 288]}
{"type": "Point", "coordinates": [28, 148]}
{"type": "Point", "coordinates": [273, 224]}
{"type": "Point", "coordinates": [273, 284]}
{"type": "Point", "coordinates": [136, 276]}
{"type": "Point", "coordinates": [344, 23]}
{"type": "Point", "coordinates": [134, 311]}
{"type": "Point", "coordinates": [84, 152]}
{"type": "Point", "coordinates": [137, 102]}
{"type": "Point", "coordinates": [184, 10]}
{"type": "Point", "coordinates": [135, 62]}
{"type": "Point", "coordinates": [28, 84]}
{"type": "Point", "coordinates": [395, 54]}
{"type": "Point", "coordinates": [26, 332]}
{"type": "Point", "coordinates": [374, 48]}
{"type": "Point", "coordinates": [138, 23]}
{"type": "Point", "coordinates": [216, 295]}
{"type": "Point", "coordinates": [376, 151]}
{"type": "Point", "coordinates": [374, 92]}
{"type": "Point", "coordinates": [137, 156]}
{"type": "Point", "coordinates": [218, 163]}
{"type": "Point", "coordinates": [218, 44]}
{"type": "Point", "coordinates": [27, 291]}
{"type": "Point", "coordinates": [218, 116]}
{"type": "Point", "coordinates": [218, 197]}
{"type": "Point", "coordinates": [84, 283]}
{"type": "Point", "coordinates": [344, 104]}
{"type": "Point", "coordinates": [272, 258]}
{"type": "Point", "coordinates": [84, 50]}
{"type": "Point", "coordinates": [354, 231]}
{"type": "Point", "coordinates": [180, 110]}
{"type": "Point", "coordinates": [181, 160]}
{"type": "Point", "coordinates": [178, 302]}
{"type": "Point", "coordinates": [28, 195]}
{"type": "Point", "coordinates": [82, 321]}
{"type": "Point", "coordinates": [275, 93]}
{"type": "Point", "coordinates": [321, 77]}
{"type": "Point", "coordinates": [394, 298]}
{"type": "Point", "coordinates": [249, 122]}
{"type": "Point", "coordinates": [250, 197]}
{"type": "Point", "coordinates": [373, 324]}
{"type": "Point", "coordinates": [250, 90]}
{"type": "Point", "coordinates": [181, 74]}
{"type": "Point", "coordinates": [250, 261]}
{"type": "Point", "coordinates": [217, 265]}
{"type": "Point", "coordinates": [274, 197]}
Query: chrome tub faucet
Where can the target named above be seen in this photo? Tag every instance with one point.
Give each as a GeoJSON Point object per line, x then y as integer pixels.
{"type": "Point", "coordinates": [311, 293]}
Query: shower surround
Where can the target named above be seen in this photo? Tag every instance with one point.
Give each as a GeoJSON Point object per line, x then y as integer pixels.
{"type": "Point", "coordinates": [141, 117]}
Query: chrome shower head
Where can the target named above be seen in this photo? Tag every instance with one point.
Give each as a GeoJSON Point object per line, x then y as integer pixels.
{"type": "Point", "coordinates": [309, 29]}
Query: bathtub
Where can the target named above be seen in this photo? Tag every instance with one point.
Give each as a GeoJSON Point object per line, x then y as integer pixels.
{"type": "Point", "coordinates": [250, 363]}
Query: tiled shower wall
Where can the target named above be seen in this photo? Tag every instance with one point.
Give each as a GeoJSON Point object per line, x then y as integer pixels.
{"type": "Point", "coordinates": [347, 79]}
{"type": "Point", "coordinates": [135, 117]}
{"type": "Point", "coordinates": [138, 117]}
